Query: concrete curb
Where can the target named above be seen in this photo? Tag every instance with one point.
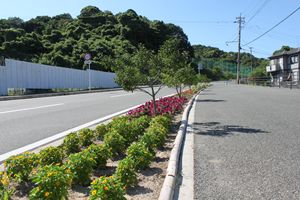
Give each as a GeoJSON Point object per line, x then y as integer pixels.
{"type": "Point", "coordinates": [5, 98]}
{"type": "Point", "coordinates": [167, 191]}
{"type": "Point", "coordinates": [185, 179]}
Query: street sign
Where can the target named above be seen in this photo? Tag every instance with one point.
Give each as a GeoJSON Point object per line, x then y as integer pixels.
{"type": "Point", "coordinates": [87, 56]}
{"type": "Point", "coordinates": [200, 66]}
{"type": "Point", "coordinates": [87, 62]}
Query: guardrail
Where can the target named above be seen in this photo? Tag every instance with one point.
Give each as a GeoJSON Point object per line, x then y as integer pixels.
{"type": "Point", "coordinates": [266, 81]}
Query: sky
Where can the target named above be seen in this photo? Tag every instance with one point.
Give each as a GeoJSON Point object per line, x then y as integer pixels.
{"type": "Point", "coordinates": [206, 22]}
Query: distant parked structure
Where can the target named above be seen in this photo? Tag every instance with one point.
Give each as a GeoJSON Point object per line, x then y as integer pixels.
{"type": "Point", "coordinates": [284, 67]}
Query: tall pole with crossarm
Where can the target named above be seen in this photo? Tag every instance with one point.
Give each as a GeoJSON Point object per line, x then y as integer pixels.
{"type": "Point", "coordinates": [240, 20]}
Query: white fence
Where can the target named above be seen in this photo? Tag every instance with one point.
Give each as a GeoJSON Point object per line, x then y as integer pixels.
{"type": "Point", "coordinates": [20, 74]}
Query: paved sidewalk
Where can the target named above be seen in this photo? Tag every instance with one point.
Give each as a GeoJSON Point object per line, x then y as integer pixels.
{"type": "Point", "coordinates": [247, 143]}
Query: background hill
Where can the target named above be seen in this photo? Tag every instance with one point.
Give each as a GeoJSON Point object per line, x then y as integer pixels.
{"type": "Point", "coordinates": [220, 65]}
{"type": "Point", "coordinates": [62, 40]}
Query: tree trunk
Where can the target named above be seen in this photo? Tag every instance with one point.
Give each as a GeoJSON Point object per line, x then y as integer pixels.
{"type": "Point", "coordinates": [153, 99]}
{"type": "Point", "coordinates": [178, 93]}
{"type": "Point", "coordinates": [180, 90]}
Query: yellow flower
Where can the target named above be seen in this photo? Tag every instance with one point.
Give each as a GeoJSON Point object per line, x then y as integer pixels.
{"type": "Point", "coordinates": [94, 192]}
{"type": "Point", "coordinates": [104, 181]}
{"type": "Point", "coordinates": [111, 177]}
{"type": "Point", "coordinates": [49, 174]}
{"type": "Point", "coordinates": [105, 188]}
{"type": "Point", "coordinates": [5, 180]}
{"type": "Point", "coordinates": [93, 182]}
{"type": "Point", "coordinates": [47, 194]}
{"type": "Point", "coordinates": [68, 171]}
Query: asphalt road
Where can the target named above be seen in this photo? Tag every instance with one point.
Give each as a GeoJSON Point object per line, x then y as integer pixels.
{"type": "Point", "coordinates": [247, 143]}
{"type": "Point", "coordinates": [23, 122]}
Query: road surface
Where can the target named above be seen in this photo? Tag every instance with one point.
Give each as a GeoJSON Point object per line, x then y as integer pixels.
{"type": "Point", "coordinates": [26, 121]}
{"type": "Point", "coordinates": [247, 143]}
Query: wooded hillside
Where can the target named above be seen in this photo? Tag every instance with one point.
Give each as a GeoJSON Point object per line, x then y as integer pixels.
{"type": "Point", "coordinates": [63, 40]}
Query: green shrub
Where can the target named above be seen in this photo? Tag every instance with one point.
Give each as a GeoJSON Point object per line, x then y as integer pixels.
{"type": "Point", "coordinates": [140, 155]}
{"type": "Point", "coordinates": [51, 155]}
{"type": "Point", "coordinates": [126, 173]}
{"type": "Point", "coordinates": [108, 188]}
{"type": "Point", "coordinates": [100, 154]}
{"type": "Point", "coordinates": [164, 120]}
{"type": "Point", "coordinates": [100, 131]}
{"type": "Point", "coordinates": [122, 126]}
{"type": "Point", "coordinates": [5, 191]}
{"type": "Point", "coordinates": [199, 86]}
{"type": "Point", "coordinates": [138, 126]}
{"type": "Point", "coordinates": [117, 120]}
{"type": "Point", "coordinates": [86, 137]}
{"type": "Point", "coordinates": [160, 132]}
{"type": "Point", "coordinates": [71, 143]}
{"type": "Point", "coordinates": [20, 166]}
{"type": "Point", "coordinates": [52, 183]}
{"type": "Point", "coordinates": [151, 141]}
{"type": "Point", "coordinates": [114, 142]}
{"type": "Point", "coordinates": [81, 165]}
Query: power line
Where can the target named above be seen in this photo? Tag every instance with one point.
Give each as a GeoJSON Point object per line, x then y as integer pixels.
{"type": "Point", "coordinates": [200, 22]}
{"type": "Point", "coordinates": [249, 9]}
{"type": "Point", "coordinates": [258, 11]}
{"type": "Point", "coordinates": [259, 51]}
{"type": "Point", "coordinates": [273, 27]}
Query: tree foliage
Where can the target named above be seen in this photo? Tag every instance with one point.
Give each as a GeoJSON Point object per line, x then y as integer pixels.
{"type": "Point", "coordinates": [62, 40]}
{"type": "Point", "coordinates": [143, 68]}
{"type": "Point", "coordinates": [282, 49]}
{"type": "Point", "coordinates": [177, 62]}
{"type": "Point", "coordinates": [214, 54]}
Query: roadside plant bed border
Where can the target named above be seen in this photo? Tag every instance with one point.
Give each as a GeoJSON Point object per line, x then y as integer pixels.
{"type": "Point", "coordinates": [85, 153]}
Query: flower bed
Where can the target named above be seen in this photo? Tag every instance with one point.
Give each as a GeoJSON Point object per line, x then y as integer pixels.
{"type": "Point", "coordinates": [167, 105]}
{"type": "Point", "coordinates": [74, 162]}
{"type": "Point", "coordinates": [136, 136]}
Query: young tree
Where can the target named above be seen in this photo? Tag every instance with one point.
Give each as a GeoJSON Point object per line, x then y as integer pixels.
{"type": "Point", "coordinates": [177, 63]}
{"type": "Point", "coordinates": [143, 68]}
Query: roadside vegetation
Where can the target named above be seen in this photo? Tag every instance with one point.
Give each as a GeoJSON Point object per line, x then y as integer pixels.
{"type": "Point", "coordinates": [132, 140]}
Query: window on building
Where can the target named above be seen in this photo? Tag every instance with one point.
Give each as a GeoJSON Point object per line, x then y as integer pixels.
{"type": "Point", "coordinates": [293, 59]}
{"type": "Point", "coordinates": [275, 61]}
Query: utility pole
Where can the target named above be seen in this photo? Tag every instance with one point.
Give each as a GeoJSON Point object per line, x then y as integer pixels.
{"type": "Point", "coordinates": [240, 20]}
{"type": "Point", "coordinates": [251, 58]}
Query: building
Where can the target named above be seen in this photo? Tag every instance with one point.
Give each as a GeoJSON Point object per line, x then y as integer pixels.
{"type": "Point", "coordinates": [284, 67]}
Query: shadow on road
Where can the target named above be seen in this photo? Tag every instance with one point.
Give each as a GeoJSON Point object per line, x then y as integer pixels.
{"type": "Point", "coordinates": [210, 100]}
{"type": "Point", "coordinates": [216, 129]}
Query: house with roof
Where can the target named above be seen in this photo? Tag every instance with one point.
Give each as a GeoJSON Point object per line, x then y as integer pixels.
{"type": "Point", "coordinates": [284, 67]}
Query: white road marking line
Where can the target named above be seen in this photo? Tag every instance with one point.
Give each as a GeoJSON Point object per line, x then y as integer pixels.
{"type": "Point", "coordinates": [121, 95]}
{"type": "Point", "coordinates": [33, 108]}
